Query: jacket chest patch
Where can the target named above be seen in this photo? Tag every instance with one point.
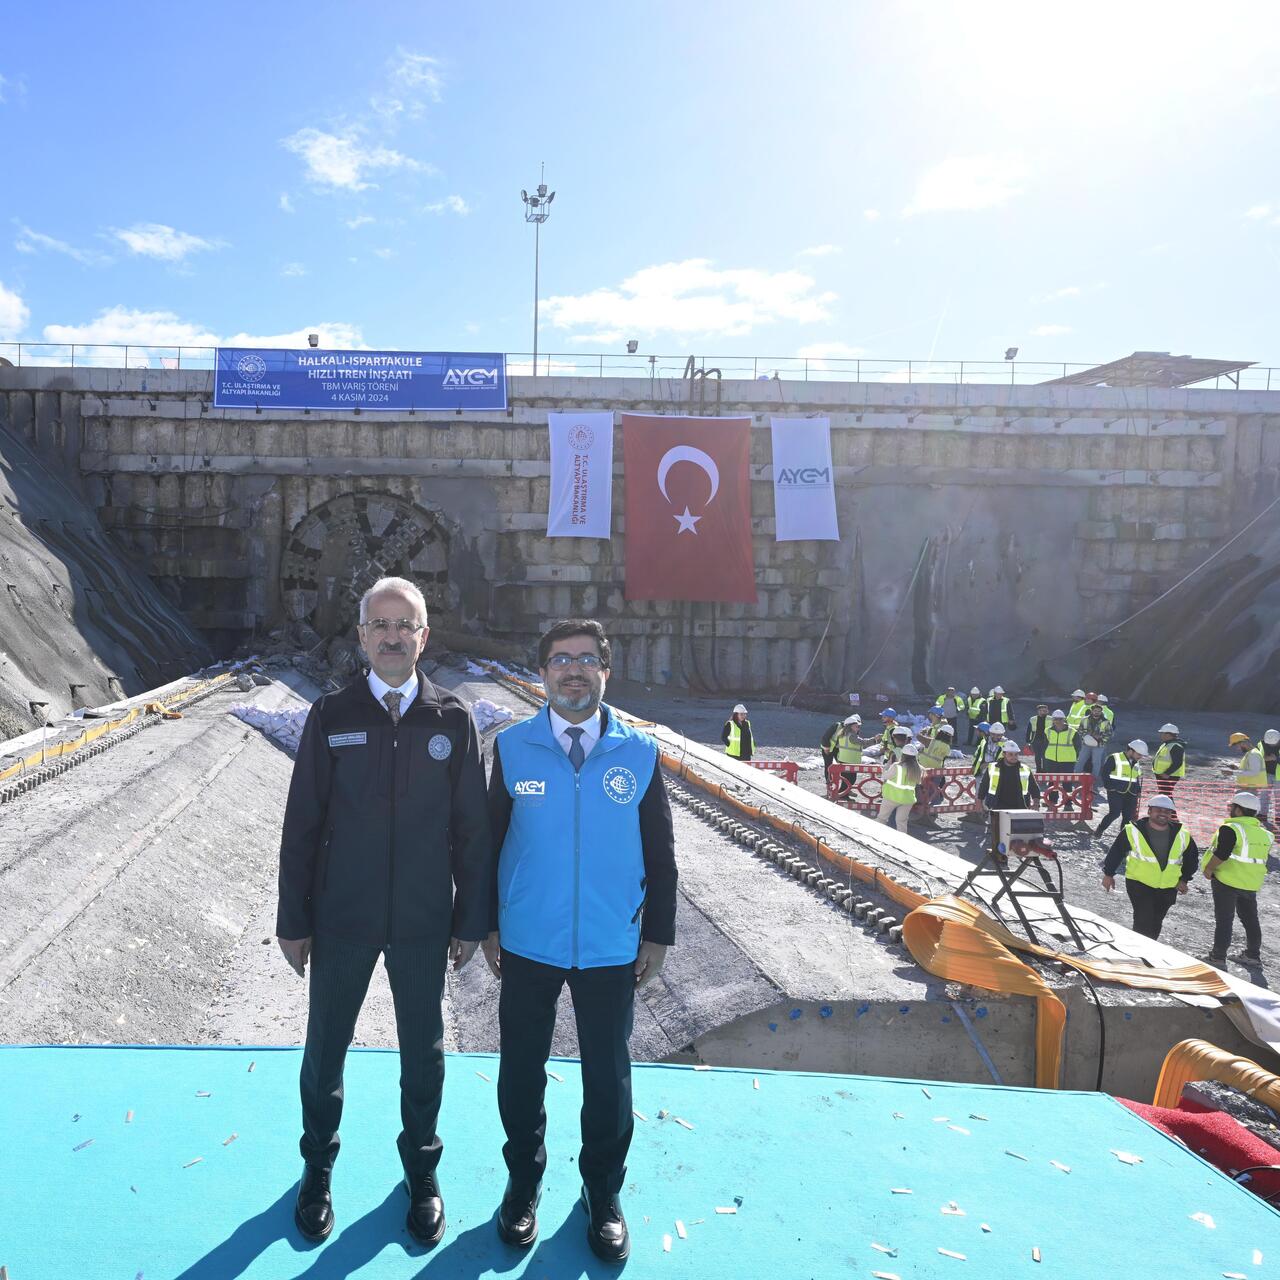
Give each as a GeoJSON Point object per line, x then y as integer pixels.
{"type": "Point", "coordinates": [620, 784]}
{"type": "Point", "coordinates": [348, 739]}
{"type": "Point", "coordinates": [440, 747]}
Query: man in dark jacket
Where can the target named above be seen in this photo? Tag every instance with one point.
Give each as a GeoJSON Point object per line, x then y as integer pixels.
{"type": "Point", "coordinates": [1006, 784]}
{"type": "Point", "coordinates": [1159, 857]}
{"type": "Point", "coordinates": [1122, 777]}
{"type": "Point", "coordinates": [585, 895]}
{"type": "Point", "coordinates": [385, 851]}
{"type": "Point", "coordinates": [1038, 734]}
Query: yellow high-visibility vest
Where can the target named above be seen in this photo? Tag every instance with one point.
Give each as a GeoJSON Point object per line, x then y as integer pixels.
{"type": "Point", "coordinates": [1143, 865]}
{"type": "Point", "coordinates": [1124, 769]}
{"type": "Point", "coordinates": [734, 746]}
{"type": "Point", "coordinates": [848, 748]}
{"type": "Point", "coordinates": [1161, 761]}
{"type": "Point", "coordinates": [1061, 747]}
{"type": "Point", "coordinates": [1253, 772]}
{"type": "Point", "coordinates": [1246, 866]}
{"type": "Point", "coordinates": [898, 790]}
{"type": "Point", "coordinates": [1079, 709]}
{"type": "Point", "coordinates": [993, 780]}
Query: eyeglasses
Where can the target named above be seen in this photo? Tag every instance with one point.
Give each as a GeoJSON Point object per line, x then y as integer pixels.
{"type": "Point", "coordinates": [561, 660]}
{"type": "Point", "coordinates": [380, 626]}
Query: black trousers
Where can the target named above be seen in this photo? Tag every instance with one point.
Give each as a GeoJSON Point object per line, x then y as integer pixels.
{"type": "Point", "coordinates": [340, 973]}
{"type": "Point", "coordinates": [603, 1006]}
{"type": "Point", "coordinates": [1039, 754]}
{"type": "Point", "coordinates": [1150, 906]}
{"type": "Point", "coordinates": [1228, 903]}
{"type": "Point", "coordinates": [953, 721]}
{"type": "Point", "coordinates": [1120, 804]}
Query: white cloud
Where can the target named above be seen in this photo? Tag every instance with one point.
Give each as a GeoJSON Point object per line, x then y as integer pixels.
{"type": "Point", "coordinates": [450, 204]}
{"type": "Point", "coordinates": [360, 220]}
{"type": "Point", "coordinates": [155, 240]}
{"type": "Point", "coordinates": [967, 183]}
{"type": "Point", "coordinates": [691, 297]}
{"type": "Point", "coordinates": [14, 314]}
{"type": "Point", "coordinates": [1070, 291]}
{"type": "Point", "coordinates": [830, 351]}
{"type": "Point", "coordinates": [13, 90]}
{"type": "Point", "coordinates": [820, 251]}
{"type": "Point", "coordinates": [413, 81]}
{"type": "Point", "coordinates": [30, 241]}
{"type": "Point", "coordinates": [343, 160]}
{"type": "Point", "coordinates": [1258, 211]}
{"type": "Point", "coordinates": [292, 269]}
{"type": "Point", "coordinates": [3, 85]}
{"type": "Point", "coordinates": [871, 214]}
{"type": "Point", "coordinates": [286, 205]}
{"type": "Point", "coordinates": [146, 329]}
{"type": "Point", "coordinates": [384, 254]}
{"type": "Point", "coordinates": [1050, 330]}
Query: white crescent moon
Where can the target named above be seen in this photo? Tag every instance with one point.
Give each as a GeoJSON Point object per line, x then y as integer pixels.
{"type": "Point", "coordinates": [687, 453]}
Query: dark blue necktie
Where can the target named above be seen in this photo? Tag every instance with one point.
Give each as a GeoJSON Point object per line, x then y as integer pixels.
{"type": "Point", "coordinates": [576, 753]}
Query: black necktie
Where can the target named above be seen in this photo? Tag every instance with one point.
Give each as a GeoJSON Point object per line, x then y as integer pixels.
{"type": "Point", "coordinates": [576, 753]}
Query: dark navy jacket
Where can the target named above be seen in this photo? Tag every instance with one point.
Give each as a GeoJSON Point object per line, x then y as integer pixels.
{"type": "Point", "coordinates": [386, 823]}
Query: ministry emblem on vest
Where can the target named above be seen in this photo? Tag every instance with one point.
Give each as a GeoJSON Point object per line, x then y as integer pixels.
{"type": "Point", "coordinates": [440, 748]}
{"type": "Point", "coordinates": [620, 784]}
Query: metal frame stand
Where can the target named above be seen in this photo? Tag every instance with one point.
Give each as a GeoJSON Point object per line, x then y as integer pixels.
{"type": "Point", "coordinates": [1009, 878]}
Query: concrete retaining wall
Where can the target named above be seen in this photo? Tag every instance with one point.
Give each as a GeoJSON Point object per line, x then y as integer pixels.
{"type": "Point", "coordinates": [986, 529]}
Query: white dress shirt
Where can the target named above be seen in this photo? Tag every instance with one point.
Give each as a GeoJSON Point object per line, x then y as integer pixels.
{"type": "Point", "coordinates": [590, 731]}
{"type": "Point", "coordinates": [407, 691]}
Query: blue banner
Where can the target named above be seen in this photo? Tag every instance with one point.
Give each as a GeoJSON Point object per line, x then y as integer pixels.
{"type": "Point", "coordinates": [389, 381]}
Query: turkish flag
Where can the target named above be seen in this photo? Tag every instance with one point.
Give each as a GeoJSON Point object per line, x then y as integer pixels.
{"type": "Point", "coordinates": [688, 498]}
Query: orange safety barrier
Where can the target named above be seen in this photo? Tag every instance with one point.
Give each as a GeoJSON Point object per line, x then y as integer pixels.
{"type": "Point", "coordinates": [1199, 1060]}
{"type": "Point", "coordinates": [789, 769]}
{"type": "Point", "coordinates": [1064, 797]}
{"type": "Point", "coordinates": [1201, 803]}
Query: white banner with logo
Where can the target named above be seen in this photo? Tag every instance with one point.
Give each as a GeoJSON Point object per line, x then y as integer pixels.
{"type": "Point", "coordinates": [804, 492]}
{"type": "Point", "coordinates": [581, 502]}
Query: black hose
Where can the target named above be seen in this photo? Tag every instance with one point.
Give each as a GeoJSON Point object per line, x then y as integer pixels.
{"type": "Point", "coordinates": [1102, 1028]}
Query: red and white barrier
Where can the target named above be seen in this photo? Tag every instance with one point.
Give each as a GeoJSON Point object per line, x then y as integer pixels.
{"type": "Point", "coordinates": [789, 769]}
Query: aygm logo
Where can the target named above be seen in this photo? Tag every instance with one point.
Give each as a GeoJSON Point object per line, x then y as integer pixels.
{"type": "Point", "coordinates": [805, 477]}
{"type": "Point", "coordinates": [531, 787]}
{"type": "Point", "coordinates": [620, 784]}
{"type": "Point", "coordinates": [471, 378]}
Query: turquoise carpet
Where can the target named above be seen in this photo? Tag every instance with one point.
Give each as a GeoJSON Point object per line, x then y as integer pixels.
{"type": "Point", "coordinates": [809, 1163]}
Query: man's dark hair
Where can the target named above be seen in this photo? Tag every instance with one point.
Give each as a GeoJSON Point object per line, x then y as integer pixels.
{"type": "Point", "coordinates": [567, 627]}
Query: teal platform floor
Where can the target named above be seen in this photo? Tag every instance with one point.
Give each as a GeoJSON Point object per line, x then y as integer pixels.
{"type": "Point", "coordinates": [809, 1162]}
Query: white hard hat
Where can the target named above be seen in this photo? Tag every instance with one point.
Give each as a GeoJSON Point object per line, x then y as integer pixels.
{"type": "Point", "coordinates": [900, 729]}
{"type": "Point", "coordinates": [975, 689]}
{"type": "Point", "coordinates": [1271, 737]}
{"type": "Point", "coordinates": [853, 719]}
{"type": "Point", "coordinates": [1247, 800]}
{"type": "Point", "coordinates": [739, 707]}
{"type": "Point", "coordinates": [951, 688]}
{"type": "Point", "coordinates": [1077, 693]}
{"type": "Point", "coordinates": [1139, 746]}
{"type": "Point", "coordinates": [996, 728]}
{"type": "Point", "coordinates": [1168, 728]}
{"type": "Point", "coordinates": [1011, 747]}
{"type": "Point", "coordinates": [998, 689]}
{"type": "Point", "coordinates": [945, 729]}
{"type": "Point", "coordinates": [1102, 697]}
{"type": "Point", "coordinates": [911, 749]}
{"type": "Point", "coordinates": [1058, 715]}
{"type": "Point", "coordinates": [1161, 802]}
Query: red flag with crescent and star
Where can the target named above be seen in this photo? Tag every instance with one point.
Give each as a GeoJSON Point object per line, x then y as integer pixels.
{"type": "Point", "coordinates": [688, 503]}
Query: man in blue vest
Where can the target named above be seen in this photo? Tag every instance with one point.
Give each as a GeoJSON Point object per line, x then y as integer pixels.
{"type": "Point", "coordinates": [585, 895]}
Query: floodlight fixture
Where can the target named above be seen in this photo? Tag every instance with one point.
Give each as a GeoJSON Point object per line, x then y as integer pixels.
{"type": "Point", "coordinates": [313, 339]}
{"type": "Point", "coordinates": [632, 346]}
{"type": "Point", "coordinates": [1010, 352]}
{"type": "Point", "coordinates": [537, 210]}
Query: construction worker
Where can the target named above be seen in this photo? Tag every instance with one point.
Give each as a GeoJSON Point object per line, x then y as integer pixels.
{"type": "Point", "coordinates": [1038, 734]}
{"type": "Point", "coordinates": [1251, 772]}
{"type": "Point", "coordinates": [974, 707]}
{"type": "Point", "coordinates": [1106, 709]}
{"type": "Point", "coordinates": [1236, 864]}
{"type": "Point", "coordinates": [888, 720]}
{"type": "Point", "coordinates": [989, 748]}
{"type": "Point", "coordinates": [736, 735]}
{"type": "Point", "coordinates": [846, 750]}
{"type": "Point", "coordinates": [899, 737]}
{"type": "Point", "coordinates": [1094, 734]}
{"type": "Point", "coordinates": [898, 785]}
{"type": "Point", "coordinates": [1159, 859]}
{"type": "Point", "coordinates": [1122, 776]}
{"type": "Point", "coordinates": [949, 705]}
{"type": "Point", "coordinates": [1170, 760]}
{"type": "Point", "coordinates": [934, 751]}
{"type": "Point", "coordinates": [1006, 783]}
{"type": "Point", "coordinates": [998, 709]}
{"type": "Point", "coordinates": [1271, 755]}
{"type": "Point", "coordinates": [1060, 745]}
{"type": "Point", "coordinates": [1079, 707]}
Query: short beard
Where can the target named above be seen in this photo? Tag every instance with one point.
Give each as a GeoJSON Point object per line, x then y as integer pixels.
{"type": "Point", "coordinates": [585, 702]}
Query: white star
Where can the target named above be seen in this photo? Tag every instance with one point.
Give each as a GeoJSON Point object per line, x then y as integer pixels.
{"type": "Point", "coordinates": [686, 522]}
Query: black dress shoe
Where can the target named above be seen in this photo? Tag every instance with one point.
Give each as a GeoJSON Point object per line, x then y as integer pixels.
{"type": "Point", "coordinates": [425, 1219]}
{"type": "Point", "coordinates": [518, 1215]}
{"type": "Point", "coordinates": [314, 1211]}
{"type": "Point", "coordinates": [606, 1227]}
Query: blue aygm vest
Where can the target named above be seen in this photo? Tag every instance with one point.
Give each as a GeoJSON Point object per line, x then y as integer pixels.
{"type": "Point", "coordinates": [571, 881]}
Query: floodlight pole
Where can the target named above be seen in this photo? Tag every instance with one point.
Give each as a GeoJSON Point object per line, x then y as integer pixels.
{"type": "Point", "coordinates": [537, 210]}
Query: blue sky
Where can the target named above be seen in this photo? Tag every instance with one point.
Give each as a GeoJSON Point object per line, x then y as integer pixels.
{"type": "Point", "coordinates": [830, 179]}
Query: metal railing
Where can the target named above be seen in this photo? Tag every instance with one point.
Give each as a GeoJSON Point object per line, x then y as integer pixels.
{"type": "Point", "coordinates": [611, 365]}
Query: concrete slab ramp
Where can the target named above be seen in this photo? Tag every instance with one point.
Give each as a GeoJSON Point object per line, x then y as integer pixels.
{"type": "Point", "coordinates": [79, 623]}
